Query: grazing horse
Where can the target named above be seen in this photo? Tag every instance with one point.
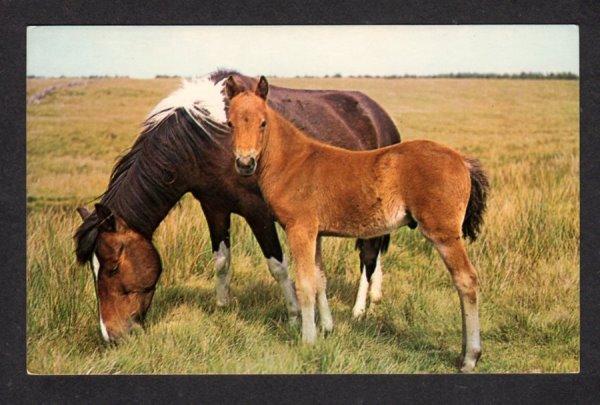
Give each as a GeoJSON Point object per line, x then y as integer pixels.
{"type": "Point", "coordinates": [316, 190]}
{"type": "Point", "coordinates": [185, 146]}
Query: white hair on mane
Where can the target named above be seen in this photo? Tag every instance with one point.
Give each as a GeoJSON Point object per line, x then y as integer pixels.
{"type": "Point", "coordinates": [200, 97]}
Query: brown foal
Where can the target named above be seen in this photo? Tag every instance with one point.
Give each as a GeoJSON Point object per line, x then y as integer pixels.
{"type": "Point", "coordinates": [318, 190]}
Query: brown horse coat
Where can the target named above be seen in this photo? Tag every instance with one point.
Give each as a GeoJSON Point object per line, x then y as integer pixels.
{"type": "Point", "coordinates": [186, 147]}
{"type": "Point", "coordinates": [315, 189]}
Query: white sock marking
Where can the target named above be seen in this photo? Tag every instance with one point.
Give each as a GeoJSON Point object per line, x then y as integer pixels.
{"type": "Point", "coordinates": [375, 285]}
{"type": "Point", "coordinates": [222, 273]}
{"type": "Point", "coordinates": [279, 271]}
{"type": "Point", "coordinates": [324, 312]}
{"type": "Point", "coordinates": [361, 296]}
{"type": "Point", "coordinates": [473, 342]}
{"type": "Point", "coordinates": [309, 329]}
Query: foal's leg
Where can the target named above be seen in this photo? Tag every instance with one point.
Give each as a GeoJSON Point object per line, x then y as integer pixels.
{"type": "Point", "coordinates": [371, 274]}
{"type": "Point", "coordinates": [302, 242]}
{"type": "Point", "coordinates": [218, 226]}
{"type": "Point", "coordinates": [464, 277]}
{"type": "Point", "coordinates": [266, 235]}
{"type": "Point", "coordinates": [323, 305]}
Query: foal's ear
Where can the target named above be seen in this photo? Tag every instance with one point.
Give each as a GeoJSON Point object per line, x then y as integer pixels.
{"type": "Point", "coordinates": [83, 212]}
{"type": "Point", "coordinates": [232, 89]}
{"type": "Point", "coordinates": [106, 219]}
{"type": "Point", "coordinates": [262, 88]}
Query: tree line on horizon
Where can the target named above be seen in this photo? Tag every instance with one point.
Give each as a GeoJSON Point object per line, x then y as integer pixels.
{"type": "Point", "coordinates": [463, 75]}
{"type": "Point", "coordinates": [459, 75]}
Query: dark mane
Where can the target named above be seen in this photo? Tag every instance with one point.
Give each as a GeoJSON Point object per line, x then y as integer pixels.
{"type": "Point", "coordinates": [222, 73]}
{"type": "Point", "coordinates": [85, 238]}
{"type": "Point", "coordinates": [151, 177]}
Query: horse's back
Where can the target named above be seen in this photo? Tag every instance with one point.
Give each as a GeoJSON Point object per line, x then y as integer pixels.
{"type": "Point", "coordinates": [347, 119]}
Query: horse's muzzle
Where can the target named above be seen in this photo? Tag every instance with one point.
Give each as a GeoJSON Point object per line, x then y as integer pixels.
{"type": "Point", "coordinates": [245, 165]}
{"type": "Point", "coordinates": [114, 335]}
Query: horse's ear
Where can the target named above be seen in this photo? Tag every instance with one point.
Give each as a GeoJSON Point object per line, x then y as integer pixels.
{"type": "Point", "coordinates": [106, 219]}
{"type": "Point", "coordinates": [232, 89]}
{"type": "Point", "coordinates": [262, 88]}
{"type": "Point", "coordinates": [83, 212]}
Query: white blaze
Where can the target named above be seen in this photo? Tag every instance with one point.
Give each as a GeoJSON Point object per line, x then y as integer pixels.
{"type": "Point", "coordinates": [95, 265]}
{"type": "Point", "coordinates": [96, 269]}
{"type": "Point", "coordinates": [103, 328]}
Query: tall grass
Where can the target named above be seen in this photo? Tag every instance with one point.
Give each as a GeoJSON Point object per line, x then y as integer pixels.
{"type": "Point", "coordinates": [525, 133]}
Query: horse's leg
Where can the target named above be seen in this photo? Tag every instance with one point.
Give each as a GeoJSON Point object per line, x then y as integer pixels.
{"type": "Point", "coordinates": [377, 276]}
{"type": "Point", "coordinates": [464, 276]}
{"type": "Point", "coordinates": [302, 242]}
{"type": "Point", "coordinates": [371, 274]}
{"type": "Point", "coordinates": [266, 235]}
{"type": "Point", "coordinates": [324, 312]}
{"type": "Point", "coordinates": [218, 226]}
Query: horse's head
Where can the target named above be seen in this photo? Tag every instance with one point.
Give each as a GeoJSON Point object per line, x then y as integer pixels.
{"type": "Point", "coordinates": [248, 122]}
{"type": "Point", "coordinates": [125, 266]}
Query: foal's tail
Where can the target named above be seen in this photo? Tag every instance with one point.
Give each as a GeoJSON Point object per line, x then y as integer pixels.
{"type": "Point", "coordinates": [477, 201]}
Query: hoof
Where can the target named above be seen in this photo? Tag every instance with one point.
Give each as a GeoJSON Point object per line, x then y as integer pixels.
{"type": "Point", "coordinates": [309, 339]}
{"type": "Point", "coordinates": [221, 303]}
{"type": "Point", "coordinates": [375, 298]}
{"type": "Point", "coordinates": [467, 367]}
{"type": "Point", "coordinates": [470, 361]}
{"type": "Point", "coordinates": [327, 327]}
{"type": "Point", "coordinates": [358, 313]}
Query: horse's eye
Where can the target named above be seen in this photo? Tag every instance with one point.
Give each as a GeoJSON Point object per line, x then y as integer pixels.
{"type": "Point", "coordinates": [113, 271]}
{"type": "Point", "coordinates": [229, 124]}
{"type": "Point", "coordinates": [263, 124]}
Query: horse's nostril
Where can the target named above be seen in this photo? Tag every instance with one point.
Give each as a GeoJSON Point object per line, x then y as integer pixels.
{"type": "Point", "coordinates": [245, 162]}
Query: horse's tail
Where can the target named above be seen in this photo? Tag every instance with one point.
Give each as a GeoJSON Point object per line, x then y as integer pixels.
{"type": "Point", "coordinates": [477, 200]}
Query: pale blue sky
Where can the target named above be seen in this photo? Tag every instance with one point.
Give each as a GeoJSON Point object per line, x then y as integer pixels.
{"type": "Point", "coordinates": [145, 51]}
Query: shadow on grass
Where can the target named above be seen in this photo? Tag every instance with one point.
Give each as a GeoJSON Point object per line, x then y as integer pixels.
{"type": "Point", "coordinates": [169, 298]}
{"type": "Point", "coordinates": [253, 302]}
{"type": "Point", "coordinates": [256, 301]}
{"type": "Point", "coordinates": [413, 339]}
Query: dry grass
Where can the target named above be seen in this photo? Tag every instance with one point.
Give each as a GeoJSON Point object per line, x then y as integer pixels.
{"type": "Point", "coordinates": [526, 133]}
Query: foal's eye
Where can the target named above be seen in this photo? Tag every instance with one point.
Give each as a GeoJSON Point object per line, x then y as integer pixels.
{"type": "Point", "coordinates": [229, 124]}
{"type": "Point", "coordinates": [263, 124]}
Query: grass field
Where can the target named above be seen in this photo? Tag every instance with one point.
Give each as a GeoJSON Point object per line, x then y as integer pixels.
{"type": "Point", "coordinates": [526, 133]}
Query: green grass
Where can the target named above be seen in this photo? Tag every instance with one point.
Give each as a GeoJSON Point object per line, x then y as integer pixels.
{"type": "Point", "coordinates": [526, 133]}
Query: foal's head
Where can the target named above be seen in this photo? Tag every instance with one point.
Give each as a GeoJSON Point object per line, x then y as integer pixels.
{"type": "Point", "coordinates": [125, 267]}
{"type": "Point", "coordinates": [248, 122]}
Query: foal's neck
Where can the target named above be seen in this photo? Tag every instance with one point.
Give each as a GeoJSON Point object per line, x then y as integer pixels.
{"type": "Point", "coordinates": [285, 141]}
